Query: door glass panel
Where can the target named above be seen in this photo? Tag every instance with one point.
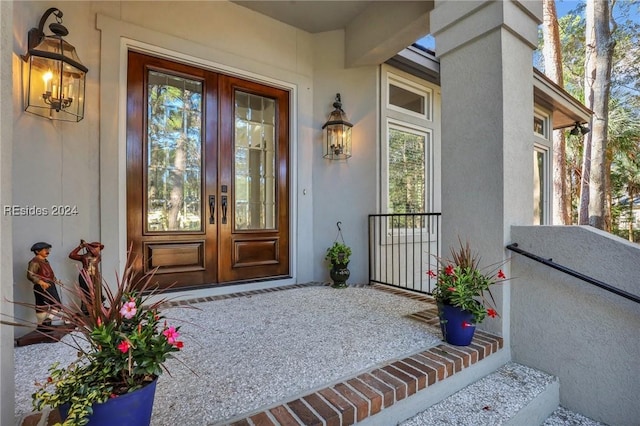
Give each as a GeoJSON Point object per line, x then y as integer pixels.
{"type": "Point", "coordinates": [254, 154]}
{"type": "Point", "coordinates": [174, 153]}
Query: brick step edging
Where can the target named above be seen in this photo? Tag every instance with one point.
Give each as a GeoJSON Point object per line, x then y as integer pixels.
{"type": "Point", "coordinates": [352, 400]}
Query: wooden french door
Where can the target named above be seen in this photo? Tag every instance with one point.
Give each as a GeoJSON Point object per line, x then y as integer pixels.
{"type": "Point", "coordinates": [207, 175]}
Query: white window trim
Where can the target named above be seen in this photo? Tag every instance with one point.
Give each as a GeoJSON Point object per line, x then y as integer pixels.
{"type": "Point", "coordinates": [545, 126]}
{"type": "Point", "coordinates": [429, 161]}
{"type": "Point", "coordinates": [546, 188]}
{"type": "Point", "coordinates": [420, 90]}
{"type": "Point", "coordinates": [398, 117]}
{"type": "Point", "coordinates": [545, 137]}
{"type": "Point", "coordinates": [543, 143]}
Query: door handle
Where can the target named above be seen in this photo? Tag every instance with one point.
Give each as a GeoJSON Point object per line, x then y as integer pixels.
{"type": "Point", "coordinates": [212, 209]}
{"type": "Point", "coordinates": [224, 209]}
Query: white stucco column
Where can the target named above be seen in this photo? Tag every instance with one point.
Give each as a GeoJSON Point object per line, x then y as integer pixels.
{"type": "Point", "coordinates": [6, 244]}
{"type": "Point", "coordinates": [485, 50]}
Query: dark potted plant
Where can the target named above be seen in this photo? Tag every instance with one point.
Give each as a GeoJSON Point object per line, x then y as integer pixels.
{"type": "Point", "coordinates": [338, 256]}
{"type": "Point", "coordinates": [463, 293]}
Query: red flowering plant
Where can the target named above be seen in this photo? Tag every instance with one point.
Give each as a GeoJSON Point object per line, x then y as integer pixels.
{"type": "Point", "coordinates": [460, 282]}
{"type": "Point", "coordinates": [122, 343]}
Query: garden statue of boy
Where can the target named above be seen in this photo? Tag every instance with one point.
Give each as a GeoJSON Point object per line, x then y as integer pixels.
{"type": "Point", "coordinates": [90, 259]}
{"type": "Point", "coordinates": [44, 281]}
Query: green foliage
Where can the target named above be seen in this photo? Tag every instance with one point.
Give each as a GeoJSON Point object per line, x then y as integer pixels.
{"type": "Point", "coordinates": [461, 283]}
{"type": "Point", "coordinates": [626, 56]}
{"type": "Point", "coordinates": [624, 103]}
{"type": "Point", "coordinates": [121, 347]}
{"type": "Point", "coordinates": [80, 384]}
{"type": "Point", "coordinates": [634, 236]}
{"type": "Point", "coordinates": [338, 253]}
{"type": "Point", "coordinates": [625, 182]}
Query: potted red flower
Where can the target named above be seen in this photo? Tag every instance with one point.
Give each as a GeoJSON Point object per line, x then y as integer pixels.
{"type": "Point", "coordinates": [463, 293]}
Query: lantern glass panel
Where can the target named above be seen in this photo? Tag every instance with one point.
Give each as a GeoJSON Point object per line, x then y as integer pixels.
{"type": "Point", "coordinates": [338, 141]}
{"type": "Point", "coordinates": [56, 81]}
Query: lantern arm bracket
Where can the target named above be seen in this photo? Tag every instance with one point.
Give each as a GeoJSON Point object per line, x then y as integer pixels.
{"type": "Point", "coordinates": [36, 35]}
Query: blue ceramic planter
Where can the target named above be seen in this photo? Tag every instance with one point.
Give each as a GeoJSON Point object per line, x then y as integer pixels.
{"type": "Point", "coordinates": [131, 409]}
{"type": "Point", "coordinates": [456, 324]}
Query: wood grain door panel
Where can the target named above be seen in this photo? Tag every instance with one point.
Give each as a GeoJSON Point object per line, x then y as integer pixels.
{"type": "Point", "coordinates": [254, 243]}
{"type": "Point", "coordinates": [211, 205]}
{"type": "Point", "coordinates": [182, 256]}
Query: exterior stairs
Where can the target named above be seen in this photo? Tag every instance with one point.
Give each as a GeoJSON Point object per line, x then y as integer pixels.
{"type": "Point", "coordinates": [472, 385]}
{"type": "Point", "coordinates": [392, 391]}
{"type": "Point", "coordinates": [512, 395]}
{"type": "Point", "coordinates": [443, 385]}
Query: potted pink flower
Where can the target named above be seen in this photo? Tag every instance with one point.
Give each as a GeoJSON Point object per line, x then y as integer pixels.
{"type": "Point", "coordinates": [122, 345]}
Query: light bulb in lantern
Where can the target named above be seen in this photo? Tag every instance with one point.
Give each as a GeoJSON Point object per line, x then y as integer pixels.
{"type": "Point", "coordinates": [47, 79]}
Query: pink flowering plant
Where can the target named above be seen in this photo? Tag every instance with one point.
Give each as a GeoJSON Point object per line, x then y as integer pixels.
{"type": "Point", "coordinates": [122, 344]}
{"type": "Point", "coordinates": [460, 282]}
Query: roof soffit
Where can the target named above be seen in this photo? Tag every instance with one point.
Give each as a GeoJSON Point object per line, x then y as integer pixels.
{"type": "Point", "coordinates": [374, 30]}
{"type": "Point", "coordinates": [378, 31]}
{"type": "Point", "coordinates": [566, 109]}
{"type": "Point", "coordinates": [310, 16]}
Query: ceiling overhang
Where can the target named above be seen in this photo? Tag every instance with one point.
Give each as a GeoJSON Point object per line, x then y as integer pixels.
{"type": "Point", "coordinates": [310, 16]}
{"type": "Point", "coordinates": [374, 30]}
{"type": "Point", "coordinates": [380, 31]}
{"type": "Point", "coordinates": [567, 110]}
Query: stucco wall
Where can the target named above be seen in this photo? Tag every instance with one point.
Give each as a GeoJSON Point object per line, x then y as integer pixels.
{"type": "Point", "coordinates": [83, 164]}
{"type": "Point", "coordinates": [344, 190]}
{"type": "Point", "coordinates": [55, 162]}
{"type": "Point", "coordinates": [6, 250]}
{"type": "Point", "coordinates": [586, 336]}
{"type": "Point", "coordinates": [487, 143]}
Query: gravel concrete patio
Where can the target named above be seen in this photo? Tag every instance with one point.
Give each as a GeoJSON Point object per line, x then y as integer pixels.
{"type": "Point", "coordinates": [254, 350]}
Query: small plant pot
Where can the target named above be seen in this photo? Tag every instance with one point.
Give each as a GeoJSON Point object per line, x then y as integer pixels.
{"type": "Point", "coordinates": [339, 274]}
{"type": "Point", "coordinates": [456, 324]}
{"type": "Point", "coordinates": [133, 408]}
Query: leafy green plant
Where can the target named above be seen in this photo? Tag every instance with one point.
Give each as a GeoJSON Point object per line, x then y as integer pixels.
{"type": "Point", "coordinates": [338, 253]}
{"type": "Point", "coordinates": [462, 283]}
{"type": "Point", "coordinates": [121, 344]}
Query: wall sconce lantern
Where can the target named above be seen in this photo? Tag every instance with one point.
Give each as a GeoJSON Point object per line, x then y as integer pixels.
{"type": "Point", "coordinates": [337, 133]}
{"type": "Point", "coordinates": [579, 129]}
{"type": "Point", "coordinates": [56, 75]}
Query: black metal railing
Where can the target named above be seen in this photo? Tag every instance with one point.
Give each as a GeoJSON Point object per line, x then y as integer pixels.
{"type": "Point", "coordinates": [403, 247]}
{"type": "Point", "coordinates": [514, 247]}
